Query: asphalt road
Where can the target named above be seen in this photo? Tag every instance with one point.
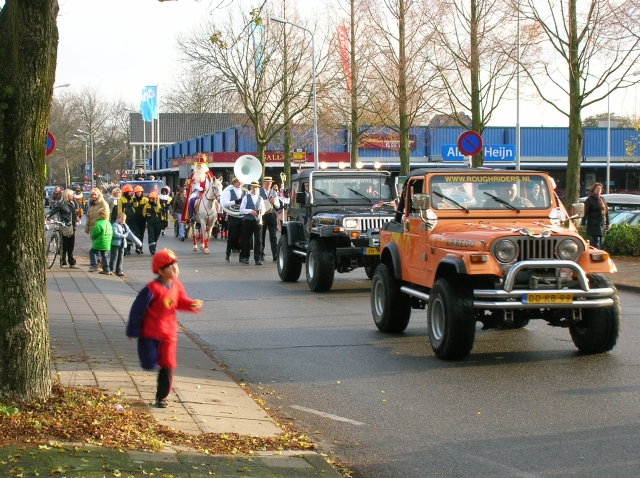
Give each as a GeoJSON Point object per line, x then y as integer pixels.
{"type": "Point", "coordinates": [524, 404]}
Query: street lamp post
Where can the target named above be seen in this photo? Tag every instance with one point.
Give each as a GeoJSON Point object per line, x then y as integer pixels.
{"type": "Point", "coordinates": [86, 151]}
{"type": "Point", "coordinates": [316, 152]}
{"type": "Point", "coordinates": [91, 138]}
{"type": "Point", "coordinates": [608, 137]}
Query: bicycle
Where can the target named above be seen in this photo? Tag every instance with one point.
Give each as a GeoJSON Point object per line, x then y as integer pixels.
{"type": "Point", "coordinates": [54, 244]}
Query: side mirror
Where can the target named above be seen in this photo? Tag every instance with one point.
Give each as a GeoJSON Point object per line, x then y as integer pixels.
{"type": "Point", "coordinates": [421, 201]}
{"type": "Point", "coordinates": [301, 198]}
{"type": "Point", "coordinates": [577, 210]}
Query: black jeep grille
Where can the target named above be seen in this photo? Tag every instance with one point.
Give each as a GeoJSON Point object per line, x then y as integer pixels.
{"type": "Point", "coordinates": [531, 248]}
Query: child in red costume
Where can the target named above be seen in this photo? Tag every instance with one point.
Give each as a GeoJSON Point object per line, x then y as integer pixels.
{"type": "Point", "coordinates": [152, 320]}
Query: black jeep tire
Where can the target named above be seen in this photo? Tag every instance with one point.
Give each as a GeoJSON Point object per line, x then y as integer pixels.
{"type": "Point", "coordinates": [289, 264]}
{"type": "Point", "coordinates": [369, 270]}
{"type": "Point", "coordinates": [320, 266]}
{"type": "Point", "coordinates": [598, 331]}
{"type": "Point", "coordinates": [451, 320]}
{"type": "Point", "coordinates": [391, 309]}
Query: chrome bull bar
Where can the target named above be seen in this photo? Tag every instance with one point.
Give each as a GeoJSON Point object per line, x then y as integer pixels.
{"type": "Point", "coordinates": [507, 298]}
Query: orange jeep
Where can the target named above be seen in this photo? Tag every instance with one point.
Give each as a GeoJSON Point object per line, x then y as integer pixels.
{"type": "Point", "coordinates": [491, 246]}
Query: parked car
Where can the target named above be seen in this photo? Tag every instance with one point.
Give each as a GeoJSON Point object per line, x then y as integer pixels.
{"type": "Point", "coordinates": [632, 218]}
{"type": "Point", "coordinates": [619, 203]}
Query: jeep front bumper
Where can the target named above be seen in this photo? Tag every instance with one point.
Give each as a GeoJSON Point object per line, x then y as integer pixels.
{"type": "Point", "coordinates": [508, 298]}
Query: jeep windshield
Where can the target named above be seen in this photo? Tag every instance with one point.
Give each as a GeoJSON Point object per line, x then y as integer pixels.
{"type": "Point", "coordinates": [369, 189]}
{"type": "Point", "coordinates": [489, 191]}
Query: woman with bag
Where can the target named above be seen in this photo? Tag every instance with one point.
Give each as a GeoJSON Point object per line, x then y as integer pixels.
{"type": "Point", "coordinates": [66, 210]}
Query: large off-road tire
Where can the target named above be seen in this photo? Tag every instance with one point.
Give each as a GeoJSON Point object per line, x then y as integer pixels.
{"type": "Point", "coordinates": [451, 320]}
{"type": "Point", "coordinates": [369, 270]}
{"type": "Point", "coordinates": [289, 265]}
{"type": "Point", "coordinates": [320, 267]}
{"type": "Point", "coordinates": [598, 331]}
{"type": "Point", "coordinates": [52, 250]}
{"type": "Point", "coordinates": [391, 309]}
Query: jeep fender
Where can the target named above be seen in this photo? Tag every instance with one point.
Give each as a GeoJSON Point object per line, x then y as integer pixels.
{"type": "Point", "coordinates": [451, 263]}
{"type": "Point", "coordinates": [294, 231]}
{"type": "Point", "coordinates": [390, 255]}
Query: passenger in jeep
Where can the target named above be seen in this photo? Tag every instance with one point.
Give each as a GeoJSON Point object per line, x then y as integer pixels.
{"type": "Point", "coordinates": [509, 193]}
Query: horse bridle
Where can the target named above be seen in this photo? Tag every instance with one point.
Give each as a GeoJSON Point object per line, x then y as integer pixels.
{"type": "Point", "coordinates": [215, 198]}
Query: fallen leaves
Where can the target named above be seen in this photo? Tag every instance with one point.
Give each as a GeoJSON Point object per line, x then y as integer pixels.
{"type": "Point", "coordinates": [91, 416]}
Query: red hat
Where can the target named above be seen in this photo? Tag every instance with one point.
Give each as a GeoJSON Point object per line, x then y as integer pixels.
{"type": "Point", "coordinates": [200, 158]}
{"type": "Point", "coordinates": [127, 188]}
{"type": "Point", "coordinates": [163, 259]}
{"type": "Point", "coordinates": [153, 195]}
{"type": "Point", "coordinates": [138, 189]}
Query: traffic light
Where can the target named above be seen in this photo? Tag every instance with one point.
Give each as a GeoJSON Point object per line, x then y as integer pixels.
{"type": "Point", "coordinates": [95, 175]}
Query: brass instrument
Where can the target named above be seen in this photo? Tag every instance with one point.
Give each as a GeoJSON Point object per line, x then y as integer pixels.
{"type": "Point", "coordinates": [247, 168]}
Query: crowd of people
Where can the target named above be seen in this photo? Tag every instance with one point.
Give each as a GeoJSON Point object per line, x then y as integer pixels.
{"type": "Point", "coordinates": [117, 220]}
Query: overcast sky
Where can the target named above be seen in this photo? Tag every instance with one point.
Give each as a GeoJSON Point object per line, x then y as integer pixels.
{"type": "Point", "coordinates": [120, 46]}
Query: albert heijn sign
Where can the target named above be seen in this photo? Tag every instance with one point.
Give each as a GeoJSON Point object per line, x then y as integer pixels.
{"type": "Point", "coordinates": [492, 153]}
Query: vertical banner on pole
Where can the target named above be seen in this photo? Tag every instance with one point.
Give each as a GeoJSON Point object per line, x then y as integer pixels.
{"type": "Point", "coordinates": [149, 111]}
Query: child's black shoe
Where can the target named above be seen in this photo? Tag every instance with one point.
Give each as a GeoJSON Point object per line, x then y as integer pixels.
{"type": "Point", "coordinates": [161, 403]}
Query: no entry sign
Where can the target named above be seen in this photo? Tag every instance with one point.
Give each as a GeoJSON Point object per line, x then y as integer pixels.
{"type": "Point", "coordinates": [51, 143]}
{"type": "Point", "coordinates": [470, 143]}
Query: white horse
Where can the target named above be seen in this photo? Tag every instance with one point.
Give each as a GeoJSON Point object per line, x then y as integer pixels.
{"type": "Point", "coordinates": [205, 215]}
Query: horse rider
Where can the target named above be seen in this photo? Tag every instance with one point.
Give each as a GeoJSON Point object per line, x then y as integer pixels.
{"type": "Point", "coordinates": [196, 185]}
{"type": "Point", "coordinates": [233, 197]}
{"type": "Point", "coordinates": [252, 208]}
{"type": "Point", "coordinates": [125, 205]}
{"type": "Point", "coordinates": [270, 218]}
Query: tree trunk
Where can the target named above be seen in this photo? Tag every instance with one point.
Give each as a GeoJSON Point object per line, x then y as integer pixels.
{"type": "Point", "coordinates": [575, 107]}
{"type": "Point", "coordinates": [28, 49]}
{"type": "Point", "coordinates": [476, 115]}
{"type": "Point", "coordinates": [403, 127]}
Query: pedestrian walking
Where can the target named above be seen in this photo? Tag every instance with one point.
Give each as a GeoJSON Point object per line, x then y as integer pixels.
{"type": "Point", "coordinates": [232, 198]}
{"type": "Point", "coordinates": [176, 208]}
{"type": "Point", "coordinates": [102, 234]}
{"type": "Point", "coordinates": [121, 235]}
{"type": "Point", "coordinates": [139, 223]}
{"type": "Point", "coordinates": [66, 211]}
{"type": "Point", "coordinates": [125, 205]}
{"type": "Point", "coordinates": [152, 320]}
{"type": "Point", "coordinates": [596, 215]}
{"type": "Point", "coordinates": [252, 208]}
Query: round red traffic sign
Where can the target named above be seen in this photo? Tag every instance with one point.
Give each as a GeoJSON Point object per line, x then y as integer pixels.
{"type": "Point", "coordinates": [51, 143]}
{"type": "Point", "coordinates": [470, 143]}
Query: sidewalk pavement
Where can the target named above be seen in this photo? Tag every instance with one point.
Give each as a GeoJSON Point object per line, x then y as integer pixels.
{"type": "Point", "coordinates": [87, 319]}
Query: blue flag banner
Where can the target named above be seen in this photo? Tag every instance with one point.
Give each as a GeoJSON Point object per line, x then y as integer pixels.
{"type": "Point", "coordinates": [257, 32]}
{"type": "Point", "coordinates": [149, 103]}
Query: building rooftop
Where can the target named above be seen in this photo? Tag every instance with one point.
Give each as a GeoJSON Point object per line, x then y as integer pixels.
{"type": "Point", "coordinates": [176, 127]}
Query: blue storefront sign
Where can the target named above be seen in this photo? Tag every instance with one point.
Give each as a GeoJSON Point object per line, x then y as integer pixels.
{"type": "Point", "coordinates": [492, 152]}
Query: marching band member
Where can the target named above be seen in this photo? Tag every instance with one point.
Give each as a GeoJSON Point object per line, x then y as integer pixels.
{"type": "Point", "coordinates": [270, 219]}
{"type": "Point", "coordinates": [233, 197]}
{"type": "Point", "coordinates": [252, 207]}
{"type": "Point", "coordinates": [196, 185]}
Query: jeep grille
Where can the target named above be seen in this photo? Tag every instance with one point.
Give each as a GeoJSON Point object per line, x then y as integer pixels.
{"type": "Point", "coordinates": [371, 222]}
{"type": "Point", "coordinates": [537, 248]}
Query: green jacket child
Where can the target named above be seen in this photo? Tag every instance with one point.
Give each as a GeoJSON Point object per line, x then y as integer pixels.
{"type": "Point", "coordinates": [102, 233]}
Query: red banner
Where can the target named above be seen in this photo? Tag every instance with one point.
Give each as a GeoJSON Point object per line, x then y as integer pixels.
{"type": "Point", "coordinates": [343, 43]}
{"type": "Point", "coordinates": [384, 141]}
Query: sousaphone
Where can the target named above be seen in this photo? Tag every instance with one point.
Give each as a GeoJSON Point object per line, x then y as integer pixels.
{"type": "Point", "coordinates": [247, 169]}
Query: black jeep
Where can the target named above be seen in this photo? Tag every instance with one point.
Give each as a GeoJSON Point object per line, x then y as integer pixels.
{"type": "Point", "coordinates": [333, 224]}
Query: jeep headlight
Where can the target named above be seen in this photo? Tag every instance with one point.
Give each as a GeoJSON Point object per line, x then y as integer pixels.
{"type": "Point", "coordinates": [351, 223]}
{"type": "Point", "coordinates": [568, 250]}
{"type": "Point", "coordinates": [505, 250]}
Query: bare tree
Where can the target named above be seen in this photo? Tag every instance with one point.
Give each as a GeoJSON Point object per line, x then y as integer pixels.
{"type": "Point", "coordinates": [248, 58]}
{"type": "Point", "coordinates": [346, 92]}
{"type": "Point", "coordinates": [403, 78]}
{"type": "Point", "coordinates": [196, 89]}
{"type": "Point", "coordinates": [585, 37]}
{"type": "Point", "coordinates": [28, 52]}
{"type": "Point", "coordinates": [64, 123]}
{"type": "Point", "coordinates": [475, 55]}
